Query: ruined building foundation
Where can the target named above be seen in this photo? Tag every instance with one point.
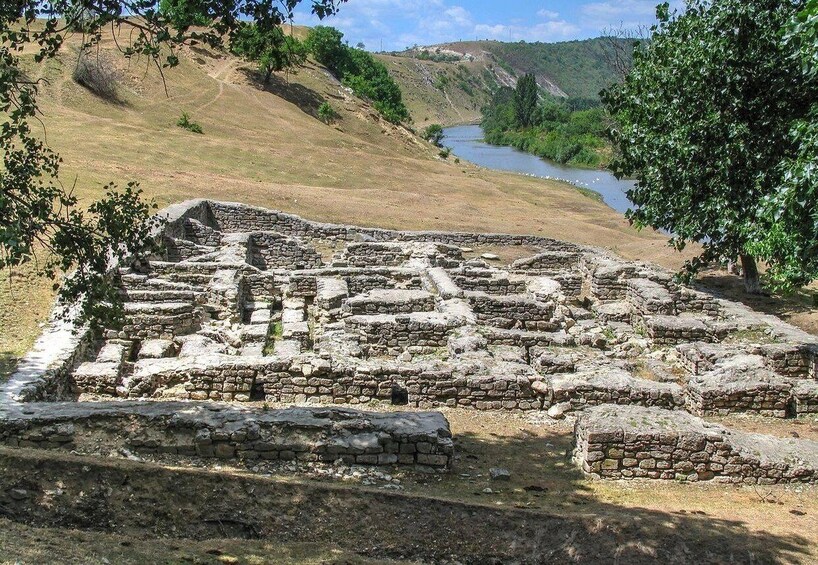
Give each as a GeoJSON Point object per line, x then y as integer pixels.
{"type": "Point", "coordinates": [249, 306]}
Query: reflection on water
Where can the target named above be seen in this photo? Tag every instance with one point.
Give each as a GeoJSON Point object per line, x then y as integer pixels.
{"type": "Point", "coordinates": [467, 143]}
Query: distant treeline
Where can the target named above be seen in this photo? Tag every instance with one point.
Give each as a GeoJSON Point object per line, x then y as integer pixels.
{"type": "Point", "coordinates": [568, 131]}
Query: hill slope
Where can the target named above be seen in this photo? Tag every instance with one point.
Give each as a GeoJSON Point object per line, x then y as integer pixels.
{"type": "Point", "coordinates": [449, 83]}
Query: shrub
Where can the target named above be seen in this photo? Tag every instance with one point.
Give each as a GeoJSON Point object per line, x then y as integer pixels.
{"type": "Point", "coordinates": [433, 134]}
{"type": "Point", "coordinates": [327, 113]}
{"type": "Point", "coordinates": [445, 152]}
{"type": "Point", "coordinates": [358, 70]}
{"type": "Point", "coordinates": [97, 75]}
{"type": "Point", "coordinates": [185, 123]}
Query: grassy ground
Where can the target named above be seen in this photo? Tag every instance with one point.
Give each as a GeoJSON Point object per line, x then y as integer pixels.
{"type": "Point", "coordinates": [263, 145]}
{"type": "Point", "coordinates": [431, 104]}
{"type": "Point", "coordinates": [25, 303]}
{"type": "Point", "coordinates": [24, 544]}
{"type": "Point", "coordinates": [687, 523]}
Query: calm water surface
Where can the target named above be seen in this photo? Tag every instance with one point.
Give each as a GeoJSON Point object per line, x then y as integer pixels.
{"type": "Point", "coordinates": [467, 143]}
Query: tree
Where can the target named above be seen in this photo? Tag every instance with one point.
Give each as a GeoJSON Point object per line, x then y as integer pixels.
{"type": "Point", "coordinates": [272, 50]}
{"type": "Point", "coordinates": [36, 210]}
{"type": "Point", "coordinates": [358, 70]}
{"type": "Point", "coordinates": [368, 78]}
{"type": "Point", "coordinates": [434, 134]}
{"type": "Point", "coordinates": [525, 100]}
{"type": "Point", "coordinates": [702, 121]}
{"type": "Point", "coordinates": [184, 13]}
{"type": "Point", "coordinates": [788, 238]}
{"type": "Point", "coordinates": [325, 45]}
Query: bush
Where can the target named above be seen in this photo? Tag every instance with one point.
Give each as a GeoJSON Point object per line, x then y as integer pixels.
{"type": "Point", "coordinates": [433, 134]}
{"type": "Point", "coordinates": [96, 73]}
{"type": "Point", "coordinates": [445, 152]}
{"type": "Point", "coordinates": [327, 113]}
{"type": "Point", "coordinates": [358, 70]}
{"type": "Point", "coordinates": [185, 123]}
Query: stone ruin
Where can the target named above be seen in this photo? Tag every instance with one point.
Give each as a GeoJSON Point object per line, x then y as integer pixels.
{"type": "Point", "coordinates": [249, 306]}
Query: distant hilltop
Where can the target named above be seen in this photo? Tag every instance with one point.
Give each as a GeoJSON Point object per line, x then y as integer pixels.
{"type": "Point", "coordinates": [450, 82]}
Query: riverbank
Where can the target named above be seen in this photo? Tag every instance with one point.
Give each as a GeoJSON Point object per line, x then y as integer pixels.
{"type": "Point", "coordinates": [466, 142]}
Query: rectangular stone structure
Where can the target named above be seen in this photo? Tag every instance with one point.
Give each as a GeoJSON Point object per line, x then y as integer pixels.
{"type": "Point", "coordinates": [224, 432]}
{"type": "Point", "coordinates": [633, 442]}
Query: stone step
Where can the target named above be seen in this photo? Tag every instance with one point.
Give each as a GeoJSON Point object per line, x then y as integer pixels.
{"type": "Point", "coordinates": [331, 292]}
{"type": "Point", "coordinates": [261, 316]}
{"type": "Point", "coordinates": [252, 349]}
{"type": "Point", "coordinates": [610, 386]}
{"type": "Point", "coordinates": [255, 333]}
{"type": "Point", "coordinates": [143, 282]}
{"type": "Point", "coordinates": [158, 308]}
{"type": "Point", "coordinates": [160, 295]}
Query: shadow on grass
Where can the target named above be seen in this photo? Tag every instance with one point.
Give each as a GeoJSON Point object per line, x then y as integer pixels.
{"type": "Point", "coordinates": [305, 98]}
{"type": "Point", "coordinates": [732, 287]}
{"type": "Point", "coordinates": [577, 526]}
{"type": "Point", "coordinates": [8, 362]}
{"type": "Point", "coordinates": [433, 521]}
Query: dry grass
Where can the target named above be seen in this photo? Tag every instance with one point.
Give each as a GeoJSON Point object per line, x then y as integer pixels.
{"type": "Point", "coordinates": [25, 302]}
{"type": "Point", "coordinates": [266, 147]}
{"type": "Point", "coordinates": [20, 544]}
{"type": "Point", "coordinates": [429, 105]}
{"type": "Point", "coordinates": [726, 523]}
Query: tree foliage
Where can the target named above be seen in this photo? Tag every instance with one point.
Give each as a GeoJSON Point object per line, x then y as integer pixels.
{"type": "Point", "coordinates": [273, 50]}
{"type": "Point", "coordinates": [358, 70]}
{"type": "Point", "coordinates": [184, 13]}
{"type": "Point", "coordinates": [557, 132]}
{"type": "Point", "coordinates": [36, 209]}
{"type": "Point", "coordinates": [789, 216]}
{"type": "Point", "coordinates": [433, 134]}
{"type": "Point", "coordinates": [526, 96]}
{"type": "Point", "coordinates": [325, 44]}
{"type": "Point", "coordinates": [703, 122]}
{"type": "Point", "coordinates": [326, 113]}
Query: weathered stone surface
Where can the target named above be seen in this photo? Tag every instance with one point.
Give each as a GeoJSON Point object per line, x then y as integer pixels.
{"type": "Point", "coordinates": [156, 349]}
{"type": "Point", "coordinates": [224, 432]}
{"type": "Point", "coordinates": [619, 442]}
{"type": "Point", "coordinates": [245, 307]}
{"type": "Point", "coordinates": [612, 386]}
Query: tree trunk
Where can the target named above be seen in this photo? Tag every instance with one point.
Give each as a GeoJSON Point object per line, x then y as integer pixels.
{"type": "Point", "coordinates": [752, 284]}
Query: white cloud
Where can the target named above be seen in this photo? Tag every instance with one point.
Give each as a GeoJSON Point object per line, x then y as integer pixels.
{"type": "Point", "coordinates": [628, 14]}
{"type": "Point", "coordinates": [547, 31]}
{"type": "Point", "coordinates": [548, 14]}
{"type": "Point", "coordinates": [397, 24]}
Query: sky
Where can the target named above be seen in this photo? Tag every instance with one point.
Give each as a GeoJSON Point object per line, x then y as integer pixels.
{"type": "Point", "coordinates": [393, 25]}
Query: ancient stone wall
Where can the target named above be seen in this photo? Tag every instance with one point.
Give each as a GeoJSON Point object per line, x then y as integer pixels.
{"type": "Point", "coordinates": [512, 311]}
{"type": "Point", "coordinates": [305, 434]}
{"type": "Point", "coordinates": [617, 442]}
{"type": "Point", "coordinates": [270, 250]}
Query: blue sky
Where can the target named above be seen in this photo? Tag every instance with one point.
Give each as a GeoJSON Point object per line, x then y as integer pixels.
{"type": "Point", "coordinates": [403, 23]}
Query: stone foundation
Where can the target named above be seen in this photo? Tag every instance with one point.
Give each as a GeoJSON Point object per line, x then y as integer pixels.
{"type": "Point", "coordinates": [244, 307]}
{"type": "Point", "coordinates": [306, 434]}
{"type": "Point", "coordinates": [630, 442]}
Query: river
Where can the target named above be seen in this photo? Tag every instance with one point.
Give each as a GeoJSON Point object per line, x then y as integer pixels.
{"type": "Point", "coordinates": [467, 143]}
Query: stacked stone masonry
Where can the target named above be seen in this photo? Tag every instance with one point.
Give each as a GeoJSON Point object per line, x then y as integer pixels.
{"type": "Point", "coordinates": [628, 442]}
{"type": "Point", "coordinates": [252, 305]}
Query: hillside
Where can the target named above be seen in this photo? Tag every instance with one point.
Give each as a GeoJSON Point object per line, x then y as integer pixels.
{"type": "Point", "coordinates": [449, 83]}
{"type": "Point", "coordinates": [265, 146]}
